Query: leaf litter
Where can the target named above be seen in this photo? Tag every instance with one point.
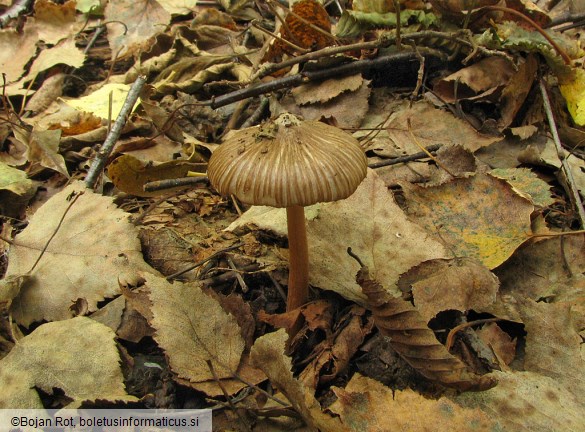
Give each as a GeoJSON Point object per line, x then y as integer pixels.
{"type": "Point", "coordinates": [468, 221]}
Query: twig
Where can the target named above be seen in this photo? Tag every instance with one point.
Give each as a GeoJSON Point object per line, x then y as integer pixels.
{"type": "Point", "coordinates": [574, 195]}
{"type": "Point", "coordinates": [407, 158]}
{"type": "Point", "coordinates": [557, 234]}
{"type": "Point", "coordinates": [44, 249]}
{"type": "Point", "coordinates": [257, 114]}
{"type": "Point", "coordinates": [277, 286]}
{"type": "Point", "coordinates": [451, 335]}
{"type": "Point", "coordinates": [239, 277]}
{"type": "Point", "coordinates": [104, 152]}
{"type": "Point", "coordinates": [228, 275]}
{"type": "Point", "coordinates": [308, 76]}
{"type": "Point", "coordinates": [398, 29]}
{"type": "Point", "coordinates": [440, 164]}
{"type": "Point", "coordinates": [226, 395]}
{"type": "Point", "coordinates": [158, 185]}
{"type": "Point", "coordinates": [197, 264]}
{"type": "Point", "coordinates": [19, 7]}
{"type": "Point", "coordinates": [98, 31]}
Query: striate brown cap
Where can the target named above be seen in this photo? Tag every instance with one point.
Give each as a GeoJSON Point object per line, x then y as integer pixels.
{"type": "Point", "coordinates": [288, 162]}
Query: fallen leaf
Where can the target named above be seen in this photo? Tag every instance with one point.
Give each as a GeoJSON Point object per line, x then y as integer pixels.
{"type": "Point", "coordinates": [500, 342]}
{"type": "Point", "coordinates": [543, 269]}
{"type": "Point", "coordinates": [98, 102]}
{"type": "Point", "coordinates": [15, 181]}
{"type": "Point", "coordinates": [433, 126]}
{"type": "Point", "coordinates": [528, 402]}
{"type": "Point", "coordinates": [130, 174]}
{"type": "Point", "coordinates": [56, 21]}
{"type": "Point", "coordinates": [93, 250]}
{"type": "Point", "coordinates": [415, 342]}
{"type": "Point", "coordinates": [189, 337]}
{"type": "Point", "coordinates": [268, 355]}
{"type": "Point", "coordinates": [324, 91]}
{"type": "Point", "coordinates": [16, 50]}
{"type": "Point", "coordinates": [77, 356]}
{"type": "Point", "coordinates": [479, 217]}
{"type": "Point", "coordinates": [178, 7]}
{"type": "Point", "coordinates": [459, 284]}
{"type": "Point", "coordinates": [365, 405]}
{"type": "Point", "coordinates": [143, 19]}
{"type": "Point", "coordinates": [65, 52]}
{"type": "Point", "coordinates": [553, 343]}
{"type": "Point", "coordinates": [43, 149]}
{"type": "Point", "coordinates": [527, 184]}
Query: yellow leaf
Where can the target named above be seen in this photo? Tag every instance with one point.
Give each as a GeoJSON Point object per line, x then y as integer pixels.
{"type": "Point", "coordinates": [98, 102]}
{"type": "Point", "coordinates": [573, 90]}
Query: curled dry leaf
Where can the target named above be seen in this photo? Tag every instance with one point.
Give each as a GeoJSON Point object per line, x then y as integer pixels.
{"type": "Point", "coordinates": [268, 355]}
{"type": "Point", "coordinates": [414, 341]}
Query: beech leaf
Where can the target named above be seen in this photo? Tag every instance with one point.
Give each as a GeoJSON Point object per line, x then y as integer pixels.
{"type": "Point", "coordinates": [414, 341]}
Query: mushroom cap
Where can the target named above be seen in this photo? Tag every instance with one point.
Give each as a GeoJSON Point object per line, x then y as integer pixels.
{"type": "Point", "coordinates": [288, 162]}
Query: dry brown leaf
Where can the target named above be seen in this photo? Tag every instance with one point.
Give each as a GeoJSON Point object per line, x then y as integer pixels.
{"type": "Point", "coordinates": [528, 402]}
{"type": "Point", "coordinates": [543, 269]}
{"type": "Point", "coordinates": [500, 342]}
{"type": "Point", "coordinates": [65, 52]}
{"type": "Point", "coordinates": [324, 91]}
{"type": "Point", "coordinates": [475, 81]}
{"type": "Point", "coordinates": [43, 149]}
{"type": "Point", "coordinates": [459, 284]}
{"type": "Point", "coordinates": [553, 344]}
{"type": "Point", "coordinates": [479, 217]}
{"type": "Point", "coordinates": [434, 126]}
{"type": "Point", "coordinates": [268, 355]}
{"type": "Point", "coordinates": [348, 109]}
{"type": "Point", "coordinates": [191, 327]}
{"type": "Point", "coordinates": [16, 49]}
{"type": "Point", "coordinates": [143, 19]}
{"type": "Point", "coordinates": [51, 89]}
{"type": "Point", "coordinates": [414, 341]}
{"type": "Point", "coordinates": [365, 405]}
{"type": "Point", "coordinates": [380, 234]}
{"type": "Point", "coordinates": [56, 21]}
{"type": "Point", "coordinates": [130, 174]}
{"type": "Point", "coordinates": [332, 356]}
{"type": "Point", "coordinates": [94, 250]}
{"type": "Point", "coordinates": [78, 356]}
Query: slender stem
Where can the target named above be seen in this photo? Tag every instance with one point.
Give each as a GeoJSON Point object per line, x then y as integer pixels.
{"type": "Point", "coordinates": [298, 272]}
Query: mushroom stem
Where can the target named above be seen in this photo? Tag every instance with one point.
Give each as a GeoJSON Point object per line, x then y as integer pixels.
{"type": "Point", "coordinates": [298, 271]}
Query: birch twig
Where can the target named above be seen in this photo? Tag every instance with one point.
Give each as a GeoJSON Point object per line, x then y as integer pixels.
{"type": "Point", "coordinates": [104, 152]}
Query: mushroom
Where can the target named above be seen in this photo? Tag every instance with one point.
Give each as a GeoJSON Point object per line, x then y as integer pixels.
{"type": "Point", "coordinates": [289, 163]}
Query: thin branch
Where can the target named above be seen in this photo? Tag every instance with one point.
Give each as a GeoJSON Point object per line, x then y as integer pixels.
{"type": "Point", "coordinates": [407, 158]}
{"type": "Point", "coordinates": [574, 195]}
{"type": "Point", "coordinates": [161, 185]}
{"type": "Point", "coordinates": [18, 8]}
{"type": "Point", "coordinates": [102, 155]}
{"type": "Point", "coordinates": [55, 231]}
{"type": "Point", "coordinates": [197, 264]}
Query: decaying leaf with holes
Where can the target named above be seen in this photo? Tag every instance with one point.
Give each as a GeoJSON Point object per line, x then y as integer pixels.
{"type": "Point", "coordinates": [415, 342]}
{"type": "Point", "coordinates": [299, 33]}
